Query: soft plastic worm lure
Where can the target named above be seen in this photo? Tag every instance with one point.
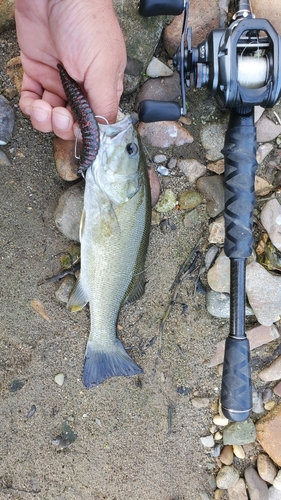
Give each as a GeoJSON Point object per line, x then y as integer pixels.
{"type": "Point", "coordinates": [86, 120]}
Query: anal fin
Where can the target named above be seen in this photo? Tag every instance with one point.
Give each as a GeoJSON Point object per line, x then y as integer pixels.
{"type": "Point", "coordinates": [77, 299]}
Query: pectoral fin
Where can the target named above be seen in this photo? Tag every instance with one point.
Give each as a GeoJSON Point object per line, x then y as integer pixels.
{"type": "Point", "coordinates": [77, 299]}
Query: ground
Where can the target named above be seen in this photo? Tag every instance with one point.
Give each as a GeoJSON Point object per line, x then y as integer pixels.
{"type": "Point", "coordinates": [135, 438]}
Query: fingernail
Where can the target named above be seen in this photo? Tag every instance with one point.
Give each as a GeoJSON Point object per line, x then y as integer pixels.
{"type": "Point", "coordinates": [62, 122]}
{"type": "Point", "coordinates": [40, 115]}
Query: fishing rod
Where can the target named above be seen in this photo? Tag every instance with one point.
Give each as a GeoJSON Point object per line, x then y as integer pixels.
{"type": "Point", "coordinates": [241, 67]}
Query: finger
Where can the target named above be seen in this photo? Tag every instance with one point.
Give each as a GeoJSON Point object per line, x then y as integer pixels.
{"type": "Point", "coordinates": [62, 123]}
{"type": "Point", "coordinates": [41, 115]}
{"type": "Point", "coordinates": [104, 94]}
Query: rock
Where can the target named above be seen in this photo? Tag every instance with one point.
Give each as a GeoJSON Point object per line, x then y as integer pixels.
{"type": "Point", "coordinates": [258, 112]}
{"type": "Point", "coordinates": [218, 494]}
{"type": "Point", "coordinates": [219, 275]}
{"type": "Point", "coordinates": [212, 138]}
{"type": "Point", "coordinates": [66, 163]}
{"type": "Point", "coordinates": [163, 170]}
{"type": "Point", "coordinates": [264, 293]}
{"type": "Point", "coordinates": [172, 163]}
{"type": "Point", "coordinates": [262, 187]}
{"type": "Point", "coordinates": [219, 420]}
{"type": "Point", "coordinates": [7, 121]}
{"type": "Point", "coordinates": [218, 436]}
{"type": "Point", "coordinates": [267, 394]}
{"type": "Point", "coordinates": [269, 405]}
{"type": "Point", "coordinates": [212, 190]}
{"type": "Point", "coordinates": [263, 150]}
{"type": "Point", "coordinates": [268, 428]}
{"type": "Point", "coordinates": [267, 130]}
{"type": "Point", "coordinates": [272, 372]}
{"type": "Point", "coordinates": [257, 336]}
{"type": "Point", "coordinates": [154, 186]}
{"type": "Point", "coordinates": [257, 402]}
{"type": "Point", "coordinates": [218, 304]}
{"type": "Point", "coordinates": [277, 389]}
{"type": "Point", "coordinates": [69, 210]}
{"type": "Point", "coordinates": [157, 68]}
{"type": "Point", "coordinates": [217, 167]}
{"type": "Point", "coordinates": [65, 288]}
{"type": "Point", "coordinates": [166, 202]}
{"type": "Point", "coordinates": [257, 488]}
{"type": "Point", "coordinates": [238, 491]}
{"type": "Point", "coordinates": [6, 14]}
{"type": "Point", "coordinates": [160, 158]}
{"type": "Point", "coordinates": [238, 451]}
{"type": "Point", "coordinates": [203, 17]}
{"type": "Point", "coordinates": [192, 168]}
{"type": "Point", "coordinates": [189, 200]}
{"type": "Point", "coordinates": [207, 441]}
{"type": "Point", "coordinates": [15, 71]}
{"type": "Point", "coordinates": [160, 89]}
{"type": "Point", "coordinates": [277, 481]}
{"type": "Point", "coordinates": [4, 160]}
{"type": "Point", "coordinates": [271, 220]}
{"type": "Point", "coordinates": [226, 456]}
{"type": "Point", "coordinates": [217, 231]}
{"type": "Point", "coordinates": [191, 218]}
{"type": "Point", "coordinates": [239, 432]}
{"type": "Point", "coordinates": [266, 468]}
{"type": "Point", "coordinates": [200, 402]}
{"type": "Point", "coordinates": [59, 379]}
{"type": "Point", "coordinates": [227, 477]}
{"type": "Point", "coordinates": [204, 495]}
{"type": "Point", "coordinates": [165, 134]}
{"type": "Point", "coordinates": [274, 494]}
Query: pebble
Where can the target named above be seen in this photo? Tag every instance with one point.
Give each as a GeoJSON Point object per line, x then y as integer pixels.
{"type": "Point", "coordinates": [262, 187]}
{"type": "Point", "coordinates": [208, 441]}
{"type": "Point", "coordinates": [191, 218]}
{"type": "Point", "coordinates": [277, 481]}
{"type": "Point", "coordinates": [218, 494]}
{"type": "Point", "coordinates": [238, 491]}
{"type": "Point", "coordinates": [165, 134]}
{"type": "Point", "coordinates": [212, 190]}
{"type": "Point", "coordinates": [274, 494]}
{"type": "Point", "coordinates": [226, 456]}
{"type": "Point", "coordinates": [220, 421]}
{"type": "Point", "coordinates": [69, 210]}
{"type": "Point", "coordinates": [189, 200]}
{"type": "Point", "coordinates": [271, 221]}
{"type": "Point", "coordinates": [219, 275]}
{"type": "Point", "coordinates": [212, 139]}
{"type": "Point", "coordinates": [154, 186]}
{"type": "Point", "coordinates": [166, 202]}
{"type": "Point", "coordinates": [59, 379]}
{"type": "Point", "coordinates": [192, 168]}
{"type": "Point", "coordinates": [215, 451]}
{"type": "Point", "coordinates": [15, 71]}
{"type": "Point", "coordinates": [266, 468]}
{"type": "Point", "coordinates": [65, 288]}
{"type": "Point", "coordinates": [267, 130]}
{"type": "Point", "coordinates": [204, 495]}
{"type": "Point", "coordinates": [272, 372]}
{"type": "Point", "coordinates": [218, 435]}
{"type": "Point", "coordinates": [239, 432]}
{"type": "Point", "coordinates": [200, 402]}
{"type": "Point", "coordinates": [257, 487]}
{"type": "Point", "coordinates": [163, 170]}
{"type": "Point", "coordinates": [238, 451]}
{"type": "Point", "coordinates": [263, 150]}
{"type": "Point", "coordinates": [257, 402]}
{"type": "Point", "coordinates": [66, 163]}
{"type": "Point", "coordinates": [268, 427]}
{"type": "Point", "coordinates": [269, 405]}
{"type": "Point", "coordinates": [172, 163]}
{"type": "Point", "coordinates": [217, 167]}
{"type": "Point", "coordinates": [264, 293]}
{"type": "Point", "coordinates": [218, 304]}
{"type": "Point", "coordinates": [7, 121]}
{"type": "Point", "coordinates": [157, 68]}
{"type": "Point", "coordinates": [277, 389]}
{"type": "Point", "coordinates": [4, 160]}
{"type": "Point", "coordinates": [160, 158]}
{"type": "Point", "coordinates": [267, 394]}
{"type": "Point", "coordinates": [258, 112]}
{"type": "Point", "coordinates": [210, 256]}
{"type": "Point", "coordinates": [227, 477]}
{"type": "Point", "coordinates": [217, 231]}
{"type": "Point", "coordinates": [160, 89]}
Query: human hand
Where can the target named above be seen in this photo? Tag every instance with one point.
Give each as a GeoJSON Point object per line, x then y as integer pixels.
{"type": "Point", "coordinates": [86, 38]}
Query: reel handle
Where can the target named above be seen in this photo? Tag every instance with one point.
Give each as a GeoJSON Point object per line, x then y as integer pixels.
{"type": "Point", "coordinates": [157, 111]}
{"type": "Point", "coordinates": [161, 7]}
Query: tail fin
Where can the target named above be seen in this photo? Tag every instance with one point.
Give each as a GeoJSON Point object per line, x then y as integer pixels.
{"type": "Point", "coordinates": [102, 364]}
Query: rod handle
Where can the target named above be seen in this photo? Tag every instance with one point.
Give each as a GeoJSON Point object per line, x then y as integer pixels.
{"type": "Point", "coordinates": [157, 111]}
{"type": "Point", "coordinates": [160, 7]}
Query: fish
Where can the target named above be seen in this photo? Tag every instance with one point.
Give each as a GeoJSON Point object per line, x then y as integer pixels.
{"type": "Point", "coordinates": [114, 237]}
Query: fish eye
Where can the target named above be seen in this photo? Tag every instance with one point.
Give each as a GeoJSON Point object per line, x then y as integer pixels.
{"type": "Point", "coordinates": [132, 149]}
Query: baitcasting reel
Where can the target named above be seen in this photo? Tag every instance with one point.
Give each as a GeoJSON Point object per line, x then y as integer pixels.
{"type": "Point", "coordinates": [241, 65]}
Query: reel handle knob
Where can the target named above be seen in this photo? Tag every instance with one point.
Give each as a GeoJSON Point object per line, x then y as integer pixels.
{"type": "Point", "coordinates": [158, 111]}
{"type": "Point", "coordinates": [160, 7]}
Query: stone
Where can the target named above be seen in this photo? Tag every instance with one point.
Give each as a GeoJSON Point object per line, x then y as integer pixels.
{"type": "Point", "coordinates": [166, 202]}
{"type": "Point", "coordinates": [159, 89]}
{"type": "Point", "coordinates": [257, 487]}
{"type": "Point", "coordinates": [226, 456]}
{"type": "Point", "coordinates": [172, 163]}
{"type": "Point", "coordinates": [219, 420]}
{"type": "Point", "coordinates": [165, 134]}
{"type": "Point", "coordinates": [217, 231]}
{"type": "Point", "coordinates": [154, 186]}
{"type": "Point", "coordinates": [219, 275]}
{"type": "Point", "coordinates": [15, 71]}
{"type": "Point", "coordinates": [267, 130]}
{"type": "Point", "coordinates": [239, 432]}
{"type": "Point", "coordinates": [192, 168]}
{"type": "Point", "coordinates": [7, 121]}
{"type": "Point", "coordinates": [66, 163]}
{"type": "Point", "coordinates": [189, 200]}
{"type": "Point", "coordinates": [269, 405]}
{"type": "Point", "coordinates": [212, 137]}
{"type": "Point", "coordinates": [200, 402]}
{"type": "Point", "coordinates": [267, 394]}
{"type": "Point", "coordinates": [69, 210]}
{"type": "Point", "coordinates": [217, 167]}
{"type": "Point", "coordinates": [263, 150]}
{"type": "Point", "coordinates": [218, 304]}
{"type": "Point", "coordinates": [268, 427]}
{"type": "Point", "coordinates": [218, 494]}
{"type": "Point", "coordinates": [277, 481]}
{"type": "Point", "coordinates": [65, 288]}
{"type": "Point", "coordinates": [262, 187]}
{"type": "Point", "coordinates": [264, 293]}
{"type": "Point", "coordinates": [274, 494]}
{"type": "Point", "coordinates": [191, 218]}
{"type": "Point", "coordinates": [6, 14]}
{"type": "Point", "coordinates": [257, 402]}
{"type": "Point", "coordinates": [277, 389]}
{"type": "Point", "coordinates": [160, 158]}
{"type": "Point", "coordinates": [207, 441]}
{"type": "Point", "coordinates": [271, 220]}
{"type": "Point", "coordinates": [59, 379]}
{"type": "Point", "coordinates": [272, 372]}
{"type": "Point", "coordinates": [266, 468]}
{"type": "Point", "coordinates": [157, 68]}
{"type": "Point", "coordinates": [4, 160]}
{"type": "Point", "coordinates": [212, 190]}
{"type": "Point", "coordinates": [238, 491]}
{"type": "Point", "coordinates": [257, 336]}
{"type": "Point", "coordinates": [238, 451]}
{"type": "Point", "coordinates": [227, 477]}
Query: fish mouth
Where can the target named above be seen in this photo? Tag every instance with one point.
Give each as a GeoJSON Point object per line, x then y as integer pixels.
{"type": "Point", "coordinates": [118, 128]}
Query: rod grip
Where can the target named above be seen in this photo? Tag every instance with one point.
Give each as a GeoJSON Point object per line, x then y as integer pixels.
{"type": "Point", "coordinates": [236, 393]}
{"type": "Point", "coordinates": [160, 7]}
{"type": "Point", "coordinates": [157, 111]}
